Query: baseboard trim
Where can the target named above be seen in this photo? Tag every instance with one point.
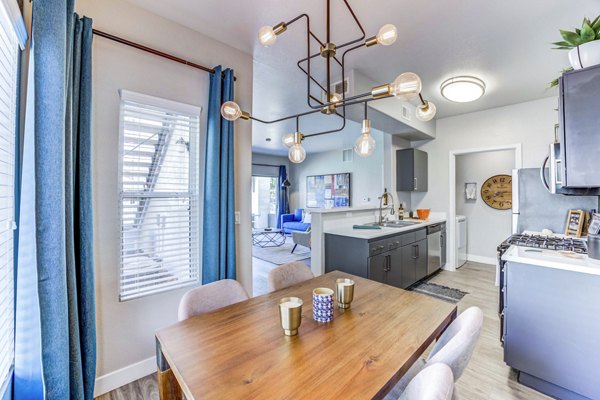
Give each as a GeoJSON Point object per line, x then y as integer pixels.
{"type": "Point", "coordinates": [123, 376]}
{"type": "Point", "coordinates": [481, 259]}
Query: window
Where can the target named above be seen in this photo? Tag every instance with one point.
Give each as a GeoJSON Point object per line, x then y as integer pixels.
{"type": "Point", "coordinates": [264, 201]}
{"type": "Point", "coordinates": [159, 202]}
{"type": "Point", "coordinates": [9, 69]}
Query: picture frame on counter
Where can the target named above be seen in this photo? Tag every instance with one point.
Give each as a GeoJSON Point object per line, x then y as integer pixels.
{"type": "Point", "coordinates": [594, 228]}
{"type": "Point", "coordinates": [575, 222]}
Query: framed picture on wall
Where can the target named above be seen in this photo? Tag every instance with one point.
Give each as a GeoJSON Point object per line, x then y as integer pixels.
{"type": "Point", "coordinates": [328, 191]}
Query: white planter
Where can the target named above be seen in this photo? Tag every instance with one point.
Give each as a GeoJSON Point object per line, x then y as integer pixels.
{"type": "Point", "coordinates": [586, 55]}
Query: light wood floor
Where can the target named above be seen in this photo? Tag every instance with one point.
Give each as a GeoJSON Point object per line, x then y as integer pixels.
{"type": "Point", "coordinates": [486, 377]}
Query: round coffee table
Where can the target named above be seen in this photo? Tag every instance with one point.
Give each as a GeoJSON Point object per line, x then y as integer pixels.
{"type": "Point", "coordinates": [268, 237]}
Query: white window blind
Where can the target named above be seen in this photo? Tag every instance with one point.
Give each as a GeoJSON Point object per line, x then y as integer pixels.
{"type": "Point", "coordinates": [9, 54]}
{"type": "Point", "coordinates": [159, 207]}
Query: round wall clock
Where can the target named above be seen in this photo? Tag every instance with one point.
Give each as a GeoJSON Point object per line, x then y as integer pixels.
{"type": "Point", "coordinates": [497, 192]}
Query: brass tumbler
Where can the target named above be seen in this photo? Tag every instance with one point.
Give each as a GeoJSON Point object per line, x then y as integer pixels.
{"type": "Point", "coordinates": [344, 289]}
{"type": "Point", "coordinates": [290, 314]}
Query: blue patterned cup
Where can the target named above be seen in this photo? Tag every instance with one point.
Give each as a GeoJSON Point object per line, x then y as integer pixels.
{"type": "Point", "coordinates": [323, 305]}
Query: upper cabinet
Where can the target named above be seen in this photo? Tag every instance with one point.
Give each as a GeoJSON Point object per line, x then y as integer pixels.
{"type": "Point", "coordinates": [580, 128]}
{"type": "Point", "coordinates": [411, 170]}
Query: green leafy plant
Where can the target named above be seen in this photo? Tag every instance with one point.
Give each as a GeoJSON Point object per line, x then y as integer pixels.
{"type": "Point", "coordinates": [589, 31]}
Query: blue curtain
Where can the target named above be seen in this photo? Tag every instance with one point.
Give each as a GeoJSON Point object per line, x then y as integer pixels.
{"type": "Point", "coordinates": [56, 212]}
{"type": "Point", "coordinates": [218, 239]}
{"type": "Point", "coordinates": [282, 200]}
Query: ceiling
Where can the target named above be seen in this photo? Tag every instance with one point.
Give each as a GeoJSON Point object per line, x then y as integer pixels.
{"type": "Point", "coordinates": [506, 43]}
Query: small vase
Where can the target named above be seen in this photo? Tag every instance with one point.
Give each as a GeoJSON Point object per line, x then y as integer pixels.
{"type": "Point", "coordinates": [586, 55]}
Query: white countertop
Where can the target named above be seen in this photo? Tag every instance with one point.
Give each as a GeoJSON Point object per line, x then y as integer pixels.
{"type": "Point", "coordinates": [376, 233]}
{"type": "Point", "coordinates": [552, 259]}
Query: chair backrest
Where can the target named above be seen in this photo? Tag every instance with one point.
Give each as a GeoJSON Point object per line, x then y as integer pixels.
{"type": "Point", "coordinates": [210, 297]}
{"type": "Point", "coordinates": [298, 213]}
{"type": "Point", "coordinates": [432, 383]}
{"type": "Point", "coordinates": [455, 346]}
{"type": "Point", "coordinates": [288, 275]}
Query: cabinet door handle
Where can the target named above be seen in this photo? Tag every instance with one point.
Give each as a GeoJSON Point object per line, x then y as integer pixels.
{"type": "Point", "coordinates": [414, 252]}
{"type": "Point", "coordinates": [416, 184]}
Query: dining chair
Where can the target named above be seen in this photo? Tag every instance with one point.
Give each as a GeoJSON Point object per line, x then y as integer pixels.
{"type": "Point", "coordinates": [453, 348]}
{"type": "Point", "coordinates": [209, 297]}
{"type": "Point", "coordinates": [432, 383]}
{"type": "Point", "coordinates": [287, 275]}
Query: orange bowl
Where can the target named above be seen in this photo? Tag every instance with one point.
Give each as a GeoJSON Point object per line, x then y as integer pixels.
{"type": "Point", "coordinates": [423, 213]}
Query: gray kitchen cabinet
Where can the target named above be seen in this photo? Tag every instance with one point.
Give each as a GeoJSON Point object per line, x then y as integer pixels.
{"type": "Point", "coordinates": [551, 329]}
{"type": "Point", "coordinates": [411, 170]}
{"type": "Point", "coordinates": [579, 121]}
{"type": "Point", "coordinates": [414, 262]}
{"type": "Point", "coordinates": [409, 275]}
{"type": "Point", "coordinates": [398, 260]}
{"type": "Point", "coordinates": [377, 267]}
{"type": "Point", "coordinates": [421, 259]}
{"type": "Point", "coordinates": [394, 275]}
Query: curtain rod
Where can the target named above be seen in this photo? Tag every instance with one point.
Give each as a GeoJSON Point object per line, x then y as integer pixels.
{"type": "Point", "coordinates": [153, 51]}
{"type": "Point", "coordinates": [266, 165]}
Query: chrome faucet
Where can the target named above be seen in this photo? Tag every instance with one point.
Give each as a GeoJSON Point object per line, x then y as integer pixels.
{"type": "Point", "coordinates": [383, 204]}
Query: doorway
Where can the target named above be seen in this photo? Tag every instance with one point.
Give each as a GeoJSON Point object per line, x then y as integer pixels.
{"type": "Point", "coordinates": [264, 202]}
{"type": "Point", "coordinates": [472, 166]}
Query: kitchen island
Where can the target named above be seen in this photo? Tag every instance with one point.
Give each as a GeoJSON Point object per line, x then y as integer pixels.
{"type": "Point", "coordinates": [398, 256]}
{"type": "Point", "coordinates": [551, 309]}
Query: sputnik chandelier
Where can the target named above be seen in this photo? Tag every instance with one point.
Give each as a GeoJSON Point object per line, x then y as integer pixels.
{"type": "Point", "coordinates": [406, 87]}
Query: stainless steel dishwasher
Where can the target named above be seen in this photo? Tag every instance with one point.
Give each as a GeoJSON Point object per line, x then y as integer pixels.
{"type": "Point", "coordinates": [436, 247]}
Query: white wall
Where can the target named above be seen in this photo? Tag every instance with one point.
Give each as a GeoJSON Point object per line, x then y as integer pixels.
{"type": "Point", "coordinates": [261, 170]}
{"type": "Point", "coordinates": [531, 124]}
{"type": "Point", "coordinates": [366, 179]}
{"type": "Point", "coordinates": [486, 227]}
{"type": "Point", "coordinates": [126, 330]}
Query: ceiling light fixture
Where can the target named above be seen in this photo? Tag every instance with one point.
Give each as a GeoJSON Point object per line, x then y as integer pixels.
{"type": "Point", "coordinates": [365, 144]}
{"type": "Point", "coordinates": [463, 89]}
{"type": "Point", "coordinates": [297, 154]}
{"type": "Point", "coordinates": [406, 87]}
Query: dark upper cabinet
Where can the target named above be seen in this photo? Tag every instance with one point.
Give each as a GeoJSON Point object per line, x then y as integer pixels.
{"type": "Point", "coordinates": [411, 170]}
{"type": "Point", "coordinates": [580, 128]}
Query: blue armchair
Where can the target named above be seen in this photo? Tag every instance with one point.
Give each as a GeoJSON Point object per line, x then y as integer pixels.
{"type": "Point", "coordinates": [293, 222]}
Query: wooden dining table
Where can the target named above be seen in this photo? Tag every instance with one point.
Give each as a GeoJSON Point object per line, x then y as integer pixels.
{"type": "Point", "coordinates": [240, 351]}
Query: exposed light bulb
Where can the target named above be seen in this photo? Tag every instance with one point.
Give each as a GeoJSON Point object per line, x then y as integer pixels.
{"type": "Point", "coordinates": [231, 111]}
{"type": "Point", "coordinates": [335, 98]}
{"type": "Point", "coordinates": [406, 86]}
{"type": "Point", "coordinates": [297, 154]}
{"type": "Point", "coordinates": [426, 112]}
{"type": "Point", "coordinates": [365, 144]}
{"type": "Point", "coordinates": [267, 36]}
{"type": "Point", "coordinates": [288, 139]}
{"type": "Point", "coordinates": [387, 35]}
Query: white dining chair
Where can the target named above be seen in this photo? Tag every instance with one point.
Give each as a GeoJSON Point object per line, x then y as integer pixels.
{"type": "Point", "coordinates": [453, 348]}
{"type": "Point", "coordinates": [210, 297]}
{"type": "Point", "coordinates": [287, 275]}
{"type": "Point", "coordinates": [435, 382]}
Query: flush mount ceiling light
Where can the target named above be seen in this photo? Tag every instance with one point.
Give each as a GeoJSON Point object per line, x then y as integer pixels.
{"type": "Point", "coordinates": [463, 89]}
{"type": "Point", "coordinates": [406, 87]}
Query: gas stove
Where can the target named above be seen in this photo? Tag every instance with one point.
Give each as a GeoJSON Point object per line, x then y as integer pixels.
{"type": "Point", "coordinates": [547, 242]}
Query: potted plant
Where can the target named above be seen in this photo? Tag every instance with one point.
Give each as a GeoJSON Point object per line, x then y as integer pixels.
{"type": "Point", "coordinates": [583, 44]}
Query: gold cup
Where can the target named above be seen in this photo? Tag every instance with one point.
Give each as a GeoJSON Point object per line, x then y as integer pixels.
{"type": "Point", "coordinates": [344, 292]}
{"type": "Point", "coordinates": [290, 315]}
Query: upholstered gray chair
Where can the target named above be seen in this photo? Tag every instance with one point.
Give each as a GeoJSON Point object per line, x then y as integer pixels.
{"type": "Point", "coordinates": [435, 382]}
{"type": "Point", "coordinates": [301, 238]}
{"type": "Point", "coordinates": [210, 297]}
{"type": "Point", "coordinates": [287, 275]}
{"type": "Point", "coordinates": [453, 348]}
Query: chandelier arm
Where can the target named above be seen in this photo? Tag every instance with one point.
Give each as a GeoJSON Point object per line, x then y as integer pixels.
{"type": "Point", "coordinates": [357, 21]}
